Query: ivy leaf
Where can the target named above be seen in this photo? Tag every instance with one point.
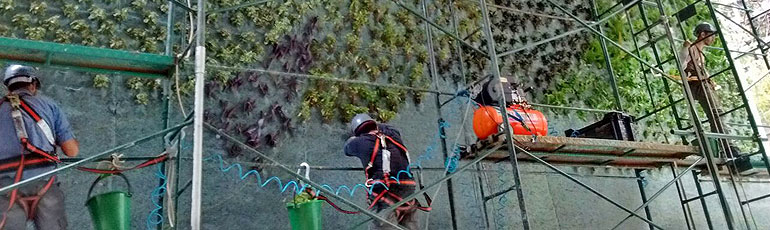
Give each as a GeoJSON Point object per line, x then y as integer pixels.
{"type": "Point", "coordinates": [6, 5]}
{"type": "Point", "coordinates": [139, 4]}
{"type": "Point", "coordinates": [121, 14]}
{"type": "Point", "coordinates": [51, 23]}
{"type": "Point", "coordinates": [142, 98]}
{"type": "Point", "coordinates": [38, 8]}
{"type": "Point", "coordinates": [21, 20]}
{"type": "Point", "coordinates": [35, 33]}
{"type": "Point", "coordinates": [97, 13]}
{"type": "Point", "coordinates": [101, 81]}
{"type": "Point", "coordinates": [80, 26]}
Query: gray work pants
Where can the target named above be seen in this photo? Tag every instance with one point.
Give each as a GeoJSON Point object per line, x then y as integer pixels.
{"type": "Point", "coordinates": [408, 218]}
{"type": "Point", "coordinates": [50, 212]}
{"type": "Point", "coordinates": [702, 91]}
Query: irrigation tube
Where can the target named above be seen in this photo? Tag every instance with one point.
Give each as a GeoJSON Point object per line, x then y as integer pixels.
{"type": "Point", "coordinates": [291, 172]}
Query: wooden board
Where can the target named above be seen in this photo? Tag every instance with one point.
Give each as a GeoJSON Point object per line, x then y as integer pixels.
{"type": "Point", "coordinates": [586, 151]}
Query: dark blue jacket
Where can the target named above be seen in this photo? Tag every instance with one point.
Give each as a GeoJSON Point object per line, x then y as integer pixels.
{"type": "Point", "coordinates": [362, 146]}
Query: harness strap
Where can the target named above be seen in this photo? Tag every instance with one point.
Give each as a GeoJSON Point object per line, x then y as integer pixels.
{"type": "Point", "coordinates": [402, 147]}
{"type": "Point", "coordinates": [385, 158]}
{"type": "Point", "coordinates": [13, 164]}
{"type": "Point", "coordinates": [395, 198]}
{"type": "Point", "coordinates": [380, 142]}
{"type": "Point", "coordinates": [381, 197]}
{"type": "Point", "coordinates": [12, 199]}
{"type": "Point", "coordinates": [16, 106]}
{"type": "Point", "coordinates": [51, 157]}
{"type": "Point", "coordinates": [29, 204]}
{"type": "Point", "coordinates": [371, 159]}
{"type": "Point", "coordinates": [41, 124]}
{"type": "Point", "coordinates": [388, 182]}
{"type": "Point", "coordinates": [335, 206]}
{"type": "Point", "coordinates": [396, 143]}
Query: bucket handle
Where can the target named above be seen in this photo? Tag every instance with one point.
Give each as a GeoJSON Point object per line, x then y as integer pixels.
{"type": "Point", "coordinates": [307, 171]}
{"type": "Point", "coordinates": [105, 176]}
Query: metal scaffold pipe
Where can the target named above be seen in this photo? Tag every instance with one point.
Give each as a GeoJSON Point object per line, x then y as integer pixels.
{"type": "Point", "coordinates": [495, 67]}
{"type": "Point", "coordinates": [200, 71]}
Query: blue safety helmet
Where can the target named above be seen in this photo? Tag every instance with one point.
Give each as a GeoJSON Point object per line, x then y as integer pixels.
{"type": "Point", "coordinates": [359, 124]}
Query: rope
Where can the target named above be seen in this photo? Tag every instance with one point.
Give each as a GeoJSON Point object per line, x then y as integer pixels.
{"type": "Point", "coordinates": [451, 161]}
{"type": "Point", "coordinates": [297, 188]}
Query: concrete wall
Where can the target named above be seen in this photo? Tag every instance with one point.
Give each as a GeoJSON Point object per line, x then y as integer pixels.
{"type": "Point", "coordinates": [108, 117]}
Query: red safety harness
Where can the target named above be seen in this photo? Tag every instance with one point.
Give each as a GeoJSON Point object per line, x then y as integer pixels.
{"type": "Point", "coordinates": [39, 157]}
{"type": "Point", "coordinates": [380, 147]}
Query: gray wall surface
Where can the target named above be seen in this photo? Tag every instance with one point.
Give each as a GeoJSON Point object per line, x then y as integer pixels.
{"type": "Point", "coordinates": [104, 118]}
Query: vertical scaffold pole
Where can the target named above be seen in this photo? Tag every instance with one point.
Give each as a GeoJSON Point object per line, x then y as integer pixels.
{"type": "Point", "coordinates": [508, 132]}
{"type": "Point", "coordinates": [166, 98]}
{"type": "Point", "coordinates": [702, 139]}
{"type": "Point", "coordinates": [607, 60]}
{"type": "Point", "coordinates": [200, 70]}
{"type": "Point", "coordinates": [442, 131]}
{"type": "Point", "coordinates": [640, 182]}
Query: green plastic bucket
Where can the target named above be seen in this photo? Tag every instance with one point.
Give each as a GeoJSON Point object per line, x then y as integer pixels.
{"type": "Point", "coordinates": [111, 210]}
{"type": "Point", "coordinates": [305, 216]}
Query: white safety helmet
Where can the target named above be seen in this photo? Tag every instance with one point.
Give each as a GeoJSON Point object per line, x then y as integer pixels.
{"type": "Point", "coordinates": [19, 73]}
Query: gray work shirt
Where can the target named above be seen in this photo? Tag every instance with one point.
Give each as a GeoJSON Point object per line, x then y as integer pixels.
{"type": "Point", "coordinates": [10, 147]}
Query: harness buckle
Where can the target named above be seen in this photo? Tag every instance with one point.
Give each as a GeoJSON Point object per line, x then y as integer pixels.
{"type": "Point", "coordinates": [382, 141]}
{"type": "Point", "coordinates": [15, 100]}
{"type": "Point", "coordinates": [368, 183]}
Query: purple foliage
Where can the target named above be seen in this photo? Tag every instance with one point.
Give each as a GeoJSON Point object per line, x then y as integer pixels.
{"type": "Point", "coordinates": [249, 105]}
{"type": "Point", "coordinates": [271, 139]}
{"type": "Point", "coordinates": [253, 134]}
{"type": "Point", "coordinates": [235, 83]}
{"type": "Point", "coordinates": [226, 125]}
{"type": "Point", "coordinates": [223, 103]}
{"type": "Point", "coordinates": [277, 111]}
{"type": "Point", "coordinates": [253, 76]}
{"type": "Point", "coordinates": [287, 126]}
{"type": "Point", "coordinates": [227, 113]}
{"type": "Point", "coordinates": [252, 137]}
{"type": "Point", "coordinates": [257, 161]}
{"type": "Point", "coordinates": [292, 53]}
{"type": "Point", "coordinates": [210, 87]}
{"type": "Point", "coordinates": [239, 127]}
{"type": "Point", "coordinates": [311, 26]}
{"type": "Point", "coordinates": [292, 90]}
{"type": "Point", "coordinates": [207, 115]}
{"type": "Point", "coordinates": [234, 151]}
{"type": "Point", "coordinates": [263, 89]}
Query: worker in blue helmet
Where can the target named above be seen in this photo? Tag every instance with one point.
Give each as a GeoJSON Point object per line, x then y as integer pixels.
{"type": "Point", "coordinates": [703, 89]}
{"type": "Point", "coordinates": [31, 128]}
{"type": "Point", "coordinates": [386, 168]}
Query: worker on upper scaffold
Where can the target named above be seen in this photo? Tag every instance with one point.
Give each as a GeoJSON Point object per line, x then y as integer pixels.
{"type": "Point", "coordinates": [386, 163]}
{"type": "Point", "coordinates": [702, 87]}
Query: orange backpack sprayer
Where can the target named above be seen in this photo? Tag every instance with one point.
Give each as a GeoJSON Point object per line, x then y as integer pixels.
{"type": "Point", "coordinates": [487, 119]}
